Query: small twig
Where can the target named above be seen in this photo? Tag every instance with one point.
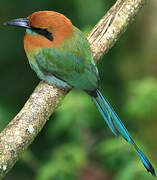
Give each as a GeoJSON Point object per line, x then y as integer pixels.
{"type": "Point", "coordinates": [22, 130]}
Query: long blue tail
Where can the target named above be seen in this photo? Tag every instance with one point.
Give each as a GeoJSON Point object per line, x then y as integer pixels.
{"type": "Point", "coordinates": [116, 126]}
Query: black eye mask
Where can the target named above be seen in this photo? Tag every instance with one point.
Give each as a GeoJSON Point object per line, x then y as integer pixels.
{"type": "Point", "coordinates": [43, 32]}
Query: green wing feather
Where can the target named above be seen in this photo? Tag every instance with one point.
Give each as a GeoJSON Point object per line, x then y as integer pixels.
{"type": "Point", "coordinates": [71, 61]}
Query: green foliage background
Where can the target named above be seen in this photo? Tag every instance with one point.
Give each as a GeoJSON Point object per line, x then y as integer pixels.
{"type": "Point", "coordinates": [76, 144]}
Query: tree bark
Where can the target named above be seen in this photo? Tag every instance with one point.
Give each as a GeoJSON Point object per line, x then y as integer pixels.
{"type": "Point", "coordinates": [22, 130]}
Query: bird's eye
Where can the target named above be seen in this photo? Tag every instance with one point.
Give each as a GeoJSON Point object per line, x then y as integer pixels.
{"type": "Point", "coordinates": [43, 32]}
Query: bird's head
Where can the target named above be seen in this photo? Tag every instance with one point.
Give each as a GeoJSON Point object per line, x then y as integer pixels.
{"type": "Point", "coordinates": [44, 29]}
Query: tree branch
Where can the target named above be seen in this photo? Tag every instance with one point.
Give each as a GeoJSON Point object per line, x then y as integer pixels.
{"type": "Point", "coordinates": [22, 130]}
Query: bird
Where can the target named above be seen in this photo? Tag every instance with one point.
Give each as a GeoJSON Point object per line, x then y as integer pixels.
{"type": "Point", "coordinates": [60, 54]}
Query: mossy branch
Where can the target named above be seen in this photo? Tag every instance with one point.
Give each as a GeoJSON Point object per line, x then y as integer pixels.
{"type": "Point", "coordinates": [22, 130]}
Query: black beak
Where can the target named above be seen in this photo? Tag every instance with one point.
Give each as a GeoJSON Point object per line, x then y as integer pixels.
{"type": "Point", "coordinates": [24, 23]}
{"type": "Point", "coordinates": [21, 22]}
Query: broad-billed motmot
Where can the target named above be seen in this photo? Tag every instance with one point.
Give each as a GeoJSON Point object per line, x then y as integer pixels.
{"type": "Point", "coordinates": [60, 54]}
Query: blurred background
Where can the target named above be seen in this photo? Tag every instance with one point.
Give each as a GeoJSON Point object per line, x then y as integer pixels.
{"type": "Point", "coordinates": [76, 144]}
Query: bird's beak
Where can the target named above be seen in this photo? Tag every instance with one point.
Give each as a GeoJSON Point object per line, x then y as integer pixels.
{"type": "Point", "coordinates": [21, 22]}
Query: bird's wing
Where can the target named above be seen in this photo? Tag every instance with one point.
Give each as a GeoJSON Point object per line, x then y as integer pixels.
{"type": "Point", "coordinates": [72, 62]}
{"type": "Point", "coordinates": [68, 68]}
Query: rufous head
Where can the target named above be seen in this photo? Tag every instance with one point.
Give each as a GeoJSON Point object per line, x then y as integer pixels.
{"type": "Point", "coordinates": [44, 29]}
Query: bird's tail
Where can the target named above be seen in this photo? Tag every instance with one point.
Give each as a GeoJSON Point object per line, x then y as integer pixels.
{"type": "Point", "coordinates": [116, 126]}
